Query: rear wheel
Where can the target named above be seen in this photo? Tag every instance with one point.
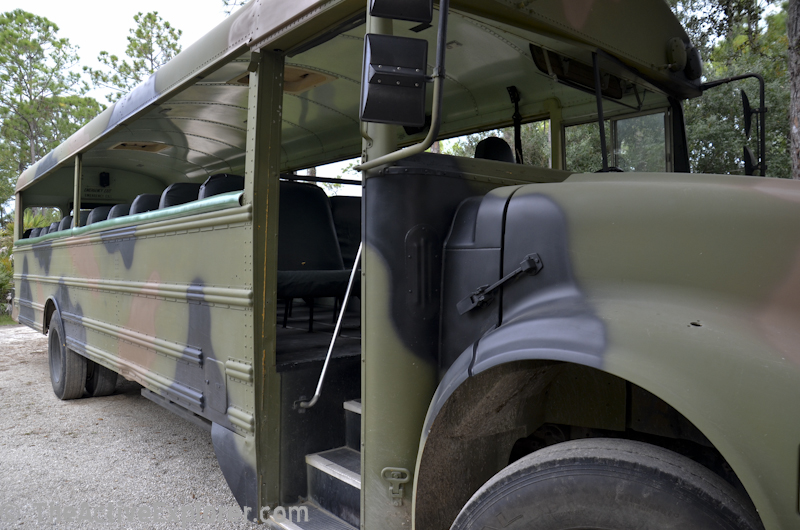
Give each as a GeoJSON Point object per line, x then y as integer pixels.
{"type": "Point", "coordinates": [67, 368]}
{"type": "Point", "coordinates": [605, 484]}
{"type": "Point", "coordinates": [100, 381]}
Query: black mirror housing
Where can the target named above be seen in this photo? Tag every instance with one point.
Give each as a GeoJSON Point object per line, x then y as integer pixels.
{"type": "Point", "coordinates": [413, 10]}
{"type": "Point", "coordinates": [393, 81]}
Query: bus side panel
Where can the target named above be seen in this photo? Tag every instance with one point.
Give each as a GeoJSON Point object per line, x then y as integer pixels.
{"type": "Point", "coordinates": [154, 303]}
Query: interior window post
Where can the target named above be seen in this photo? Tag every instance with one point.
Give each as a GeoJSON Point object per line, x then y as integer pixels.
{"type": "Point", "coordinates": [76, 197]}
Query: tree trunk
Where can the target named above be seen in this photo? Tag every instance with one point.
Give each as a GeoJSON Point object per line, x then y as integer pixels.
{"type": "Point", "coordinates": [793, 33]}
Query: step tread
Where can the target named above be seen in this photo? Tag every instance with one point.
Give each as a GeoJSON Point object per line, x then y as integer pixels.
{"type": "Point", "coordinates": [353, 406]}
{"type": "Point", "coordinates": [318, 519]}
{"type": "Point", "coordinates": [343, 463]}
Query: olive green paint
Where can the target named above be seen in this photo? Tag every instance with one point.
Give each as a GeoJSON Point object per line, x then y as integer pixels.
{"type": "Point", "coordinates": [77, 191]}
{"type": "Point", "coordinates": [261, 191]}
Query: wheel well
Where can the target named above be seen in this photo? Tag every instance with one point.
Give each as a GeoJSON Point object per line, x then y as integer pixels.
{"type": "Point", "coordinates": [49, 309]}
{"type": "Point", "coordinates": [512, 410]}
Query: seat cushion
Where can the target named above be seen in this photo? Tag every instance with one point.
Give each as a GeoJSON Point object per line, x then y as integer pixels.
{"type": "Point", "coordinates": [220, 183]}
{"type": "Point", "coordinates": [119, 210]}
{"type": "Point", "coordinates": [179, 193]}
{"type": "Point", "coordinates": [146, 202]}
{"type": "Point", "coordinates": [98, 214]}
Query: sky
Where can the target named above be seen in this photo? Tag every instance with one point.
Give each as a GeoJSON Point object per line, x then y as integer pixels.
{"type": "Point", "coordinates": [103, 25]}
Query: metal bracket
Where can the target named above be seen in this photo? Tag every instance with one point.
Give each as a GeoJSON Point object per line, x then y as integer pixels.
{"type": "Point", "coordinates": [255, 58]}
{"type": "Point", "coordinates": [396, 75]}
{"type": "Point", "coordinates": [396, 476]}
{"type": "Point", "coordinates": [482, 296]}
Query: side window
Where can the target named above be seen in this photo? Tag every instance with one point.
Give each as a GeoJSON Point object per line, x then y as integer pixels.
{"type": "Point", "coordinates": [582, 145]}
{"type": "Point", "coordinates": [639, 144]}
{"type": "Point", "coordinates": [536, 143]}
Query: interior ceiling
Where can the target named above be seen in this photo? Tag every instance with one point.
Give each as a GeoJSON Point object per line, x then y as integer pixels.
{"type": "Point", "coordinates": [205, 125]}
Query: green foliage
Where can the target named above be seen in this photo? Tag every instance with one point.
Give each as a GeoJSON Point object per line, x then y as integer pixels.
{"type": "Point", "coordinates": [39, 217]}
{"type": "Point", "coordinates": [6, 262]}
{"type": "Point", "coordinates": [229, 6]}
{"type": "Point", "coordinates": [41, 100]}
{"type": "Point", "coordinates": [582, 144]}
{"type": "Point", "coordinates": [708, 20]}
{"type": "Point", "coordinates": [715, 125]}
{"type": "Point", "coordinates": [535, 142]}
{"type": "Point", "coordinates": [151, 44]}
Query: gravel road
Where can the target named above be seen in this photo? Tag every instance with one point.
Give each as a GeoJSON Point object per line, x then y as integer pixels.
{"type": "Point", "coordinates": [113, 462]}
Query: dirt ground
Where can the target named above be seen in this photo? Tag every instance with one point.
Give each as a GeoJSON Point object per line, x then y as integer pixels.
{"type": "Point", "coordinates": [114, 462]}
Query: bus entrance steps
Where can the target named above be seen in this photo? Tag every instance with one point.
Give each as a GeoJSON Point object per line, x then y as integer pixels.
{"type": "Point", "coordinates": [334, 485]}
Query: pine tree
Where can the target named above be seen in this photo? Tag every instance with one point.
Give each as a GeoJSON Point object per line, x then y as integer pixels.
{"type": "Point", "coordinates": [152, 43]}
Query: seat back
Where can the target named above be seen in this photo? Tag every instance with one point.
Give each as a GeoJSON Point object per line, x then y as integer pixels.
{"type": "Point", "coordinates": [98, 214]}
{"type": "Point", "coordinates": [494, 148]}
{"type": "Point", "coordinates": [306, 233]}
{"type": "Point", "coordinates": [346, 213]}
{"type": "Point", "coordinates": [53, 227]}
{"type": "Point", "coordinates": [220, 183]}
{"type": "Point", "coordinates": [119, 210]}
{"type": "Point", "coordinates": [179, 193]}
{"type": "Point", "coordinates": [146, 202]}
{"type": "Point", "coordinates": [66, 223]}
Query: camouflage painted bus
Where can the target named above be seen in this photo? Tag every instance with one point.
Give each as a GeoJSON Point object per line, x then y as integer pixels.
{"type": "Point", "coordinates": [584, 345]}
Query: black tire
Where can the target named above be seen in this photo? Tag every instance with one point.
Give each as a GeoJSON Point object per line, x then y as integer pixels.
{"type": "Point", "coordinates": [605, 484]}
{"type": "Point", "coordinates": [67, 368]}
{"type": "Point", "coordinates": [100, 381]}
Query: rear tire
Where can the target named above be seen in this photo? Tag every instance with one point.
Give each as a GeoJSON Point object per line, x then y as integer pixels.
{"type": "Point", "coordinates": [67, 368]}
{"type": "Point", "coordinates": [605, 484]}
{"type": "Point", "coordinates": [100, 381]}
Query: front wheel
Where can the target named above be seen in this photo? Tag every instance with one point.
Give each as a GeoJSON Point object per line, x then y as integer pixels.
{"type": "Point", "coordinates": [606, 484]}
{"type": "Point", "coordinates": [67, 368]}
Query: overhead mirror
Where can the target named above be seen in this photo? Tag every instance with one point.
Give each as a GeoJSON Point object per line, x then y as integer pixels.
{"type": "Point", "coordinates": [413, 10]}
{"type": "Point", "coordinates": [394, 79]}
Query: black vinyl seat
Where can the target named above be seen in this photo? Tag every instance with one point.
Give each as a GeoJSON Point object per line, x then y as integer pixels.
{"type": "Point", "coordinates": [309, 259]}
{"type": "Point", "coordinates": [98, 214]}
{"type": "Point", "coordinates": [347, 220]}
{"type": "Point", "coordinates": [178, 193]}
{"type": "Point", "coordinates": [119, 210]}
{"type": "Point", "coordinates": [53, 227]}
{"type": "Point", "coordinates": [66, 223]}
{"type": "Point", "coordinates": [146, 202]}
{"type": "Point", "coordinates": [494, 148]}
{"type": "Point", "coordinates": [36, 232]}
{"type": "Point", "coordinates": [27, 233]}
{"type": "Point", "coordinates": [220, 183]}
{"type": "Point", "coordinates": [44, 231]}
{"type": "Point", "coordinates": [84, 218]}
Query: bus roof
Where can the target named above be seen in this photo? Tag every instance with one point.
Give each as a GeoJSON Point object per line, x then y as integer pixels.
{"type": "Point", "coordinates": [188, 120]}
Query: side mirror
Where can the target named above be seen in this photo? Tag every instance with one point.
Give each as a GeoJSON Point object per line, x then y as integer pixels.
{"type": "Point", "coordinates": [748, 114]}
{"type": "Point", "coordinates": [393, 81]}
{"type": "Point", "coordinates": [750, 163]}
{"type": "Point", "coordinates": [413, 10]}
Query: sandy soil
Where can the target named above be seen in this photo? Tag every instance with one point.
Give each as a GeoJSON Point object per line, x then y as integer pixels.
{"type": "Point", "coordinates": [113, 462]}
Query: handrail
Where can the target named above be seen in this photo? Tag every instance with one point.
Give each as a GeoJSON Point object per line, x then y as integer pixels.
{"type": "Point", "coordinates": [318, 391]}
